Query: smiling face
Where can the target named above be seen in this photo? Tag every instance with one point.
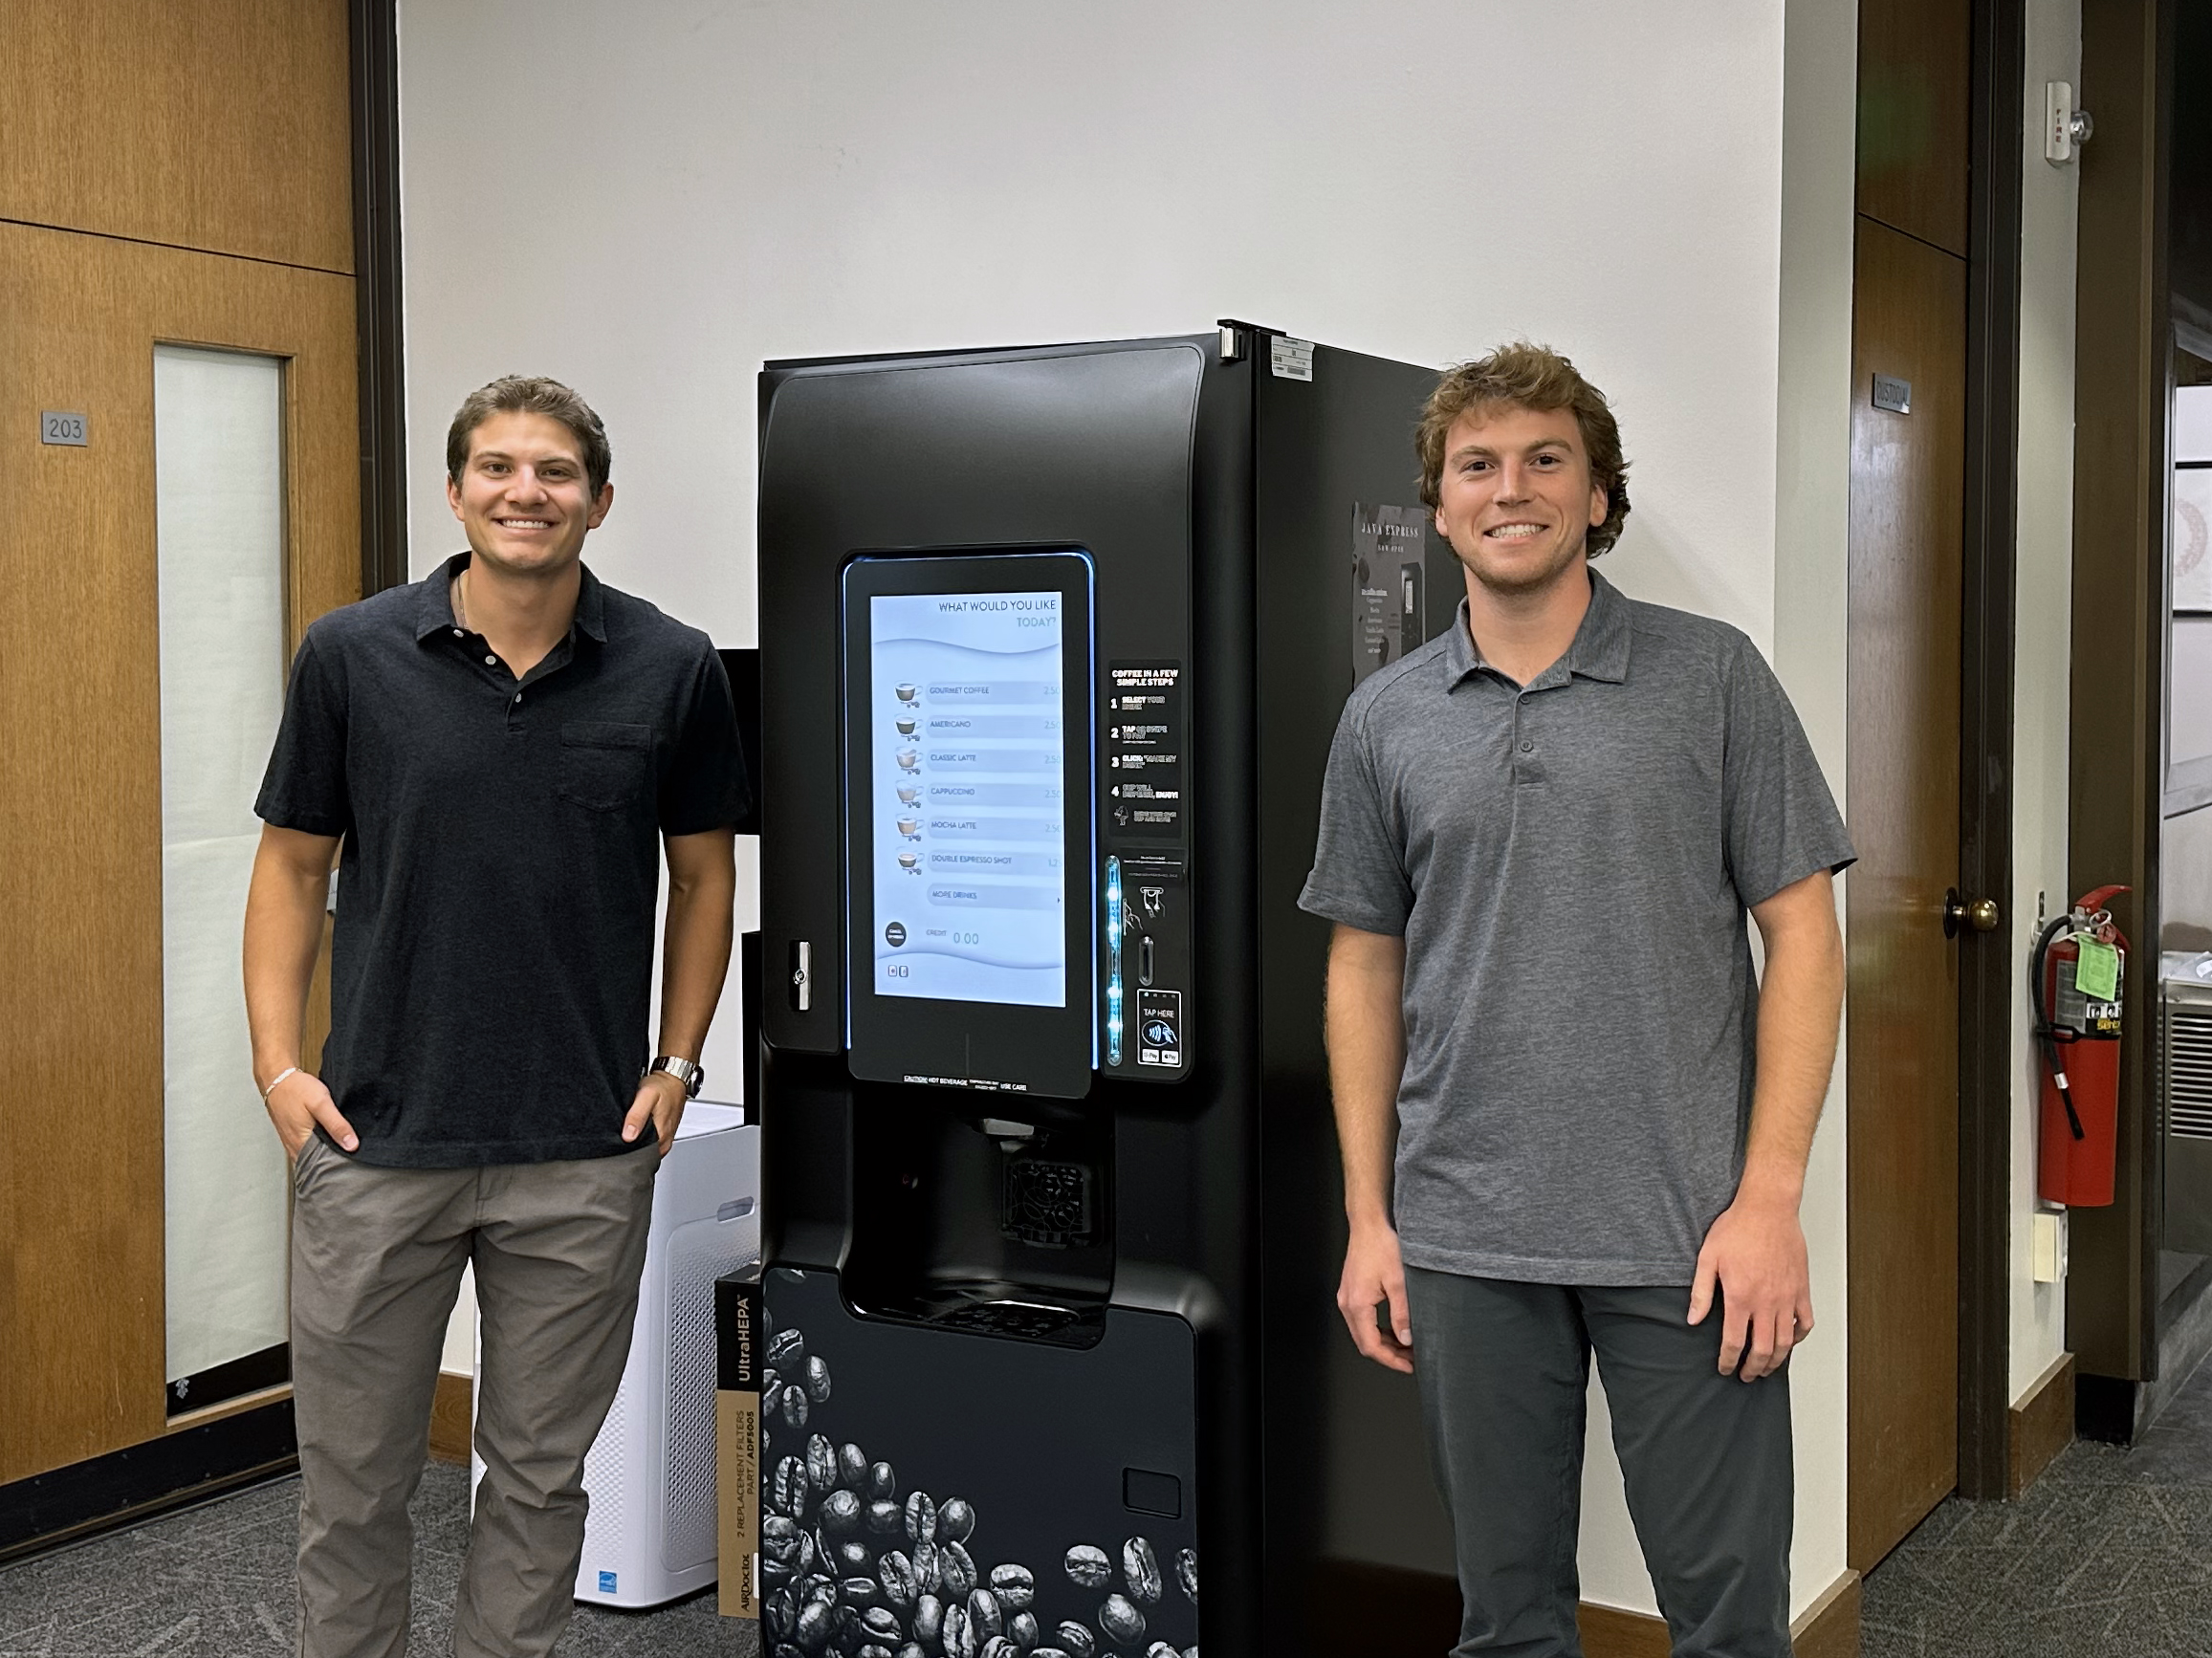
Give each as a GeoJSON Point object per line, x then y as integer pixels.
{"type": "Point", "coordinates": [1514, 499]}
{"type": "Point", "coordinates": [523, 496]}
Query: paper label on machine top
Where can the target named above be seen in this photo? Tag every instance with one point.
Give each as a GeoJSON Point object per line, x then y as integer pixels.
{"type": "Point", "coordinates": [1289, 358]}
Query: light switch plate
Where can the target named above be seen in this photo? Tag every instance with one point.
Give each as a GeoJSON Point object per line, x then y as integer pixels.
{"type": "Point", "coordinates": [2046, 1246]}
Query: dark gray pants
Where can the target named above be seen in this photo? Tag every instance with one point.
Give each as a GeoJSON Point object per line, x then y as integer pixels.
{"type": "Point", "coordinates": [1504, 1375]}
{"type": "Point", "coordinates": [376, 1264]}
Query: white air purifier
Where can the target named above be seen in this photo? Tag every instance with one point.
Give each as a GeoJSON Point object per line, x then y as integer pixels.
{"type": "Point", "coordinates": [649, 1536]}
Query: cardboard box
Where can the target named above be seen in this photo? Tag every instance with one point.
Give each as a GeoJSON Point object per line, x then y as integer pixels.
{"type": "Point", "coordinates": [741, 1350]}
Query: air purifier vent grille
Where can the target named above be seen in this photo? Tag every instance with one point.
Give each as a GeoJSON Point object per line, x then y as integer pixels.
{"type": "Point", "coordinates": [699, 1255]}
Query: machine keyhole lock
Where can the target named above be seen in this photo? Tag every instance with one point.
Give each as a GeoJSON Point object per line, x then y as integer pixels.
{"type": "Point", "coordinates": [1982, 915]}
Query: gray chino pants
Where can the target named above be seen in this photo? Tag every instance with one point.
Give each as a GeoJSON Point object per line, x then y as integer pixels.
{"type": "Point", "coordinates": [376, 1265]}
{"type": "Point", "coordinates": [1504, 1376]}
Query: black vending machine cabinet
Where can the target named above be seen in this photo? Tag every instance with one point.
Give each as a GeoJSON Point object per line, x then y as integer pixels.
{"type": "Point", "coordinates": [1053, 644]}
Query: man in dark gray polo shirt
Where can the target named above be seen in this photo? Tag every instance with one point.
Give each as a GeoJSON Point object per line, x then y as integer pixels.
{"type": "Point", "coordinates": [1571, 1118]}
{"type": "Point", "coordinates": [503, 750]}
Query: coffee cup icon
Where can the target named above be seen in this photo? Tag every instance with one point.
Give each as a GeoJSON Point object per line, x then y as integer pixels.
{"type": "Point", "coordinates": [907, 797]}
{"type": "Point", "coordinates": [910, 826]}
{"type": "Point", "coordinates": [906, 727]}
{"type": "Point", "coordinates": [909, 860]}
{"type": "Point", "coordinates": [907, 760]}
{"type": "Point", "coordinates": [906, 693]}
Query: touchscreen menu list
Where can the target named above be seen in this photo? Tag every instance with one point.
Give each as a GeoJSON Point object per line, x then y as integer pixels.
{"type": "Point", "coordinates": [969, 826]}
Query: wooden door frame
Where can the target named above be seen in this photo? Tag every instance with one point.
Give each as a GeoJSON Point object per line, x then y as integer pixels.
{"type": "Point", "coordinates": [1986, 981]}
{"type": "Point", "coordinates": [374, 26]}
{"type": "Point", "coordinates": [2123, 370]}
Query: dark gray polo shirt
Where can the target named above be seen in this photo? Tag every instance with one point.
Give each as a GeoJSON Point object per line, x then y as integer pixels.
{"type": "Point", "coordinates": [492, 966]}
{"type": "Point", "coordinates": [1569, 863]}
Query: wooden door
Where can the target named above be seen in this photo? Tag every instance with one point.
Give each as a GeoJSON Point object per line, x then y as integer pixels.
{"type": "Point", "coordinates": [223, 125]}
{"type": "Point", "coordinates": [82, 1168]}
{"type": "Point", "coordinates": [1907, 526]}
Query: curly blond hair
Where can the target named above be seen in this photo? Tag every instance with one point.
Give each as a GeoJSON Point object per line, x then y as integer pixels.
{"type": "Point", "coordinates": [1532, 376]}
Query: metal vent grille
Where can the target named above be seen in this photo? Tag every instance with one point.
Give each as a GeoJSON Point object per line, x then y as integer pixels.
{"type": "Point", "coordinates": [2185, 1067]}
{"type": "Point", "coordinates": [699, 1255]}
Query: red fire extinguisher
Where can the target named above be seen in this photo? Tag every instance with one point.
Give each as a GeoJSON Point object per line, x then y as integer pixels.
{"type": "Point", "coordinates": [2080, 962]}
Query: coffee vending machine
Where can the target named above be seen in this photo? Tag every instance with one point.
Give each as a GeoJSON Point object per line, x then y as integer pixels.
{"type": "Point", "coordinates": [1053, 644]}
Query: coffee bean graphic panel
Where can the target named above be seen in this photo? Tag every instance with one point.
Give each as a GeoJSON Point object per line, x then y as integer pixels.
{"type": "Point", "coordinates": [967, 1496]}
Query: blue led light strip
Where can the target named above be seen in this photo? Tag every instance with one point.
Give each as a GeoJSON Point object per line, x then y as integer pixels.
{"type": "Point", "coordinates": [1113, 941]}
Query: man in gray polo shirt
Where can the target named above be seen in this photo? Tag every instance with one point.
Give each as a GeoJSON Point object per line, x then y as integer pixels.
{"type": "Point", "coordinates": [1571, 1118]}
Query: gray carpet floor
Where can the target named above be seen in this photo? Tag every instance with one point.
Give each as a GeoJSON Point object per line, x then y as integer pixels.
{"type": "Point", "coordinates": [2109, 1553]}
{"type": "Point", "coordinates": [2107, 1556]}
{"type": "Point", "coordinates": [215, 1581]}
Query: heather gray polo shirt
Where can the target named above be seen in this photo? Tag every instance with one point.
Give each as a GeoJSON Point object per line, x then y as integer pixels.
{"type": "Point", "coordinates": [1571, 863]}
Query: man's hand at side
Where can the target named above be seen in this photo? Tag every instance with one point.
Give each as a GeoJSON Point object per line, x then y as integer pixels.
{"type": "Point", "coordinates": [300, 1101]}
{"type": "Point", "coordinates": [1367, 1053]}
{"type": "Point", "coordinates": [1755, 1253]}
{"type": "Point", "coordinates": [694, 958]}
{"type": "Point", "coordinates": [660, 1105]}
{"type": "Point", "coordinates": [1755, 1256]}
{"type": "Point", "coordinates": [286, 901]}
{"type": "Point", "coordinates": [1374, 1278]}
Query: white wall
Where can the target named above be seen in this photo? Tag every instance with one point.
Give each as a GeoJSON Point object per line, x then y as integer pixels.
{"type": "Point", "coordinates": [2045, 599]}
{"type": "Point", "coordinates": [649, 199]}
{"type": "Point", "coordinates": [1812, 644]}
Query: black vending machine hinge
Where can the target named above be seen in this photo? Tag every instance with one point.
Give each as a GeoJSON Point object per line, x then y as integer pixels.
{"type": "Point", "coordinates": [1233, 331]}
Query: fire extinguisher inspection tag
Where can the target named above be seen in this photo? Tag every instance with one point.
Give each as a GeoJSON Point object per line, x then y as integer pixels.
{"type": "Point", "coordinates": [2097, 972]}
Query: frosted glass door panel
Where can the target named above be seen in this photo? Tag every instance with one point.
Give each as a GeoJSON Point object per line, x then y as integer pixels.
{"type": "Point", "coordinates": [219, 512]}
{"type": "Point", "coordinates": [2193, 422]}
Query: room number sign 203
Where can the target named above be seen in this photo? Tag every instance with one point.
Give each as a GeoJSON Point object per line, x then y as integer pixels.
{"type": "Point", "coordinates": [61, 427]}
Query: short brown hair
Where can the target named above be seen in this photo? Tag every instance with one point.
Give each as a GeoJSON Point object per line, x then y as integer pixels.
{"type": "Point", "coordinates": [1532, 376]}
{"type": "Point", "coordinates": [530, 394]}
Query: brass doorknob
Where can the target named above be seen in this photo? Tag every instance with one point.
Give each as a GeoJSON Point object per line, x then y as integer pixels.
{"type": "Point", "coordinates": [1982, 915]}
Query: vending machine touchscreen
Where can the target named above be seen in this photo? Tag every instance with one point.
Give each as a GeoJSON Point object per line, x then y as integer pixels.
{"type": "Point", "coordinates": [969, 820]}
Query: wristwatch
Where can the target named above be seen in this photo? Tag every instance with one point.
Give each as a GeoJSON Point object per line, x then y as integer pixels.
{"type": "Point", "coordinates": [683, 1069]}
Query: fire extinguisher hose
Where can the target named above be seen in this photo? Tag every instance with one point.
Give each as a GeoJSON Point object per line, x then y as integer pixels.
{"type": "Point", "coordinates": [2049, 1035]}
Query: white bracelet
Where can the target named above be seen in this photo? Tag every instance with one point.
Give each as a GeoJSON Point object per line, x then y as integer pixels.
{"type": "Point", "coordinates": [288, 1071]}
